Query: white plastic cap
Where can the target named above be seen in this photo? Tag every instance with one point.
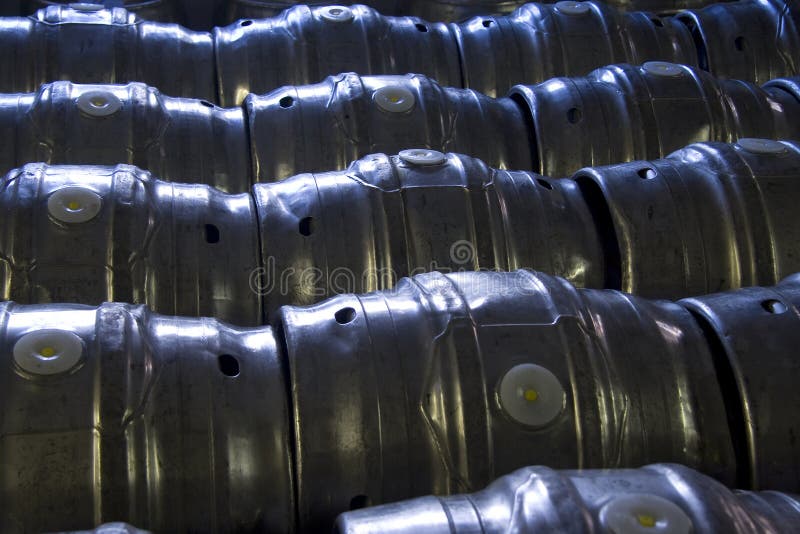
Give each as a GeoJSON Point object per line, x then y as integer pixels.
{"type": "Point", "coordinates": [644, 514]}
{"type": "Point", "coordinates": [569, 7]}
{"type": "Point", "coordinates": [531, 395]}
{"type": "Point", "coordinates": [48, 352]}
{"type": "Point", "coordinates": [761, 146]}
{"type": "Point", "coordinates": [336, 13]}
{"type": "Point", "coordinates": [99, 103]}
{"type": "Point", "coordinates": [74, 204]}
{"type": "Point", "coordinates": [394, 99]}
{"type": "Point", "coordinates": [422, 156]}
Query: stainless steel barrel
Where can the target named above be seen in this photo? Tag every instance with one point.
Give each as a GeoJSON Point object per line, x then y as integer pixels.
{"type": "Point", "coordinates": [542, 41]}
{"type": "Point", "coordinates": [94, 234]}
{"type": "Point", "coordinates": [749, 40]}
{"type": "Point", "coordinates": [438, 386]}
{"type": "Point", "coordinates": [177, 139]}
{"type": "Point", "coordinates": [709, 217]}
{"type": "Point", "coordinates": [384, 218]}
{"type": "Point", "coordinates": [173, 424]}
{"type": "Point", "coordinates": [323, 127]}
{"type": "Point", "coordinates": [152, 10]}
{"type": "Point", "coordinates": [621, 113]}
{"type": "Point", "coordinates": [84, 44]}
{"type": "Point", "coordinates": [754, 336]}
{"type": "Point", "coordinates": [662, 497]}
{"type": "Point", "coordinates": [304, 45]}
{"type": "Point", "coordinates": [450, 381]}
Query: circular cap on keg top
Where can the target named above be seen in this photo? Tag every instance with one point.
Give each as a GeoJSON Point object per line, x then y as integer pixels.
{"type": "Point", "coordinates": [422, 156]}
{"type": "Point", "coordinates": [568, 7]}
{"type": "Point", "coordinates": [74, 204]}
{"type": "Point", "coordinates": [99, 103]}
{"type": "Point", "coordinates": [394, 99]}
{"type": "Point", "coordinates": [644, 514]}
{"type": "Point", "coordinates": [86, 6]}
{"type": "Point", "coordinates": [531, 394]}
{"type": "Point", "coordinates": [48, 352]}
{"type": "Point", "coordinates": [761, 146]}
{"type": "Point", "coordinates": [662, 68]}
{"type": "Point", "coordinates": [336, 13]}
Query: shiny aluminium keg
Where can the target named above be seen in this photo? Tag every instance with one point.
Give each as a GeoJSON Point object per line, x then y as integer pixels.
{"type": "Point", "coordinates": [325, 126]}
{"type": "Point", "coordinates": [753, 40]}
{"type": "Point", "coordinates": [657, 498]}
{"type": "Point", "coordinates": [542, 41]}
{"type": "Point", "coordinates": [306, 44]}
{"type": "Point", "coordinates": [178, 139]}
{"type": "Point", "coordinates": [622, 112]}
{"type": "Point", "coordinates": [151, 10]}
{"type": "Point", "coordinates": [383, 218]}
{"type": "Point", "coordinates": [438, 386]}
{"type": "Point", "coordinates": [553, 128]}
{"type": "Point", "coordinates": [704, 219]}
{"type": "Point", "coordinates": [84, 44]}
{"type": "Point", "coordinates": [710, 217]}
{"type": "Point", "coordinates": [150, 423]}
{"type": "Point", "coordinates": [96, 234]}
{"type": "Point", "coordinates": [236, 10]}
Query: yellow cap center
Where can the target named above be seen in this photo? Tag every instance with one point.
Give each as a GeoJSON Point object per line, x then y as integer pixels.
{"type": "Point", "coordinates": [531, 395]}
{"type": "Point", "coordinates": [47, 352]}
{"type": "Point", "coordinates": [646, 520]}
{"type": "Point", "coordinates": [73, 205]}
{"type": "Point", "coordinates": [394, 99]}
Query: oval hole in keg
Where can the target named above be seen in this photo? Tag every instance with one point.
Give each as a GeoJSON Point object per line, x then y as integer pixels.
{"type": "Point", "coordinates": [306, 226]}
{"type": "Point", "coordinates": [345, 315]}
{"type": "Point", "coordinates": [245, 23]}
{"type": "Point", "coordinates": [228, 365]}
{"type": "Point", "coordinates": [646, 173]}
{"type": "Point", "coordinates": [574, 115]}
{"type": "Point", "coordinates": [421, 27]}
{"type": "Point", "coordinates": [212, 234]}
{"type": "Point", "coordinates": [774, 306]}
{"type": "Point", "coordinates": [544, 183]}
{"type": "Point", "coordinates": [286, 102]}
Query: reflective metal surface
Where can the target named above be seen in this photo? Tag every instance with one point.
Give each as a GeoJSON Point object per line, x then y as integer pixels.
{"type": "Point", "coordinates": [173, 424]}
{"type": "Point", "coordinates": [709, 217]}
{"type": "Point", "coordinates": [754, 335]}
{"type": "Point", "coordinates": [85, 45]}
{"type": "Point", "coordinates": [438, 387]}
{"type": "Point", "coordinates": [325, 126]}
{"type": "Point", "coordinates": [542, 41]}
{"type": "Point", "coordinates": [304, 45]}
{"type": "Point", "coordinates": [750, 39]}
{"type": "Point", "coordinates": [383, 218]}
{"type": "Point", "coordinates": [154, 10]}
{"type": "Point", "coordinates": [656, 108]}
{"type": "Point", "coordinates": [182, 249]}
{"type": "Point", "coordinates": [657, 498]}
{"type": "Point", "coordinates": [111, 528]}
{"type": "Point", "coordinates": [203, 14]}
{"type": "Point", "coordinates": [416, 372]}
{"type": "Point", "coordinates": [177, 139]}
